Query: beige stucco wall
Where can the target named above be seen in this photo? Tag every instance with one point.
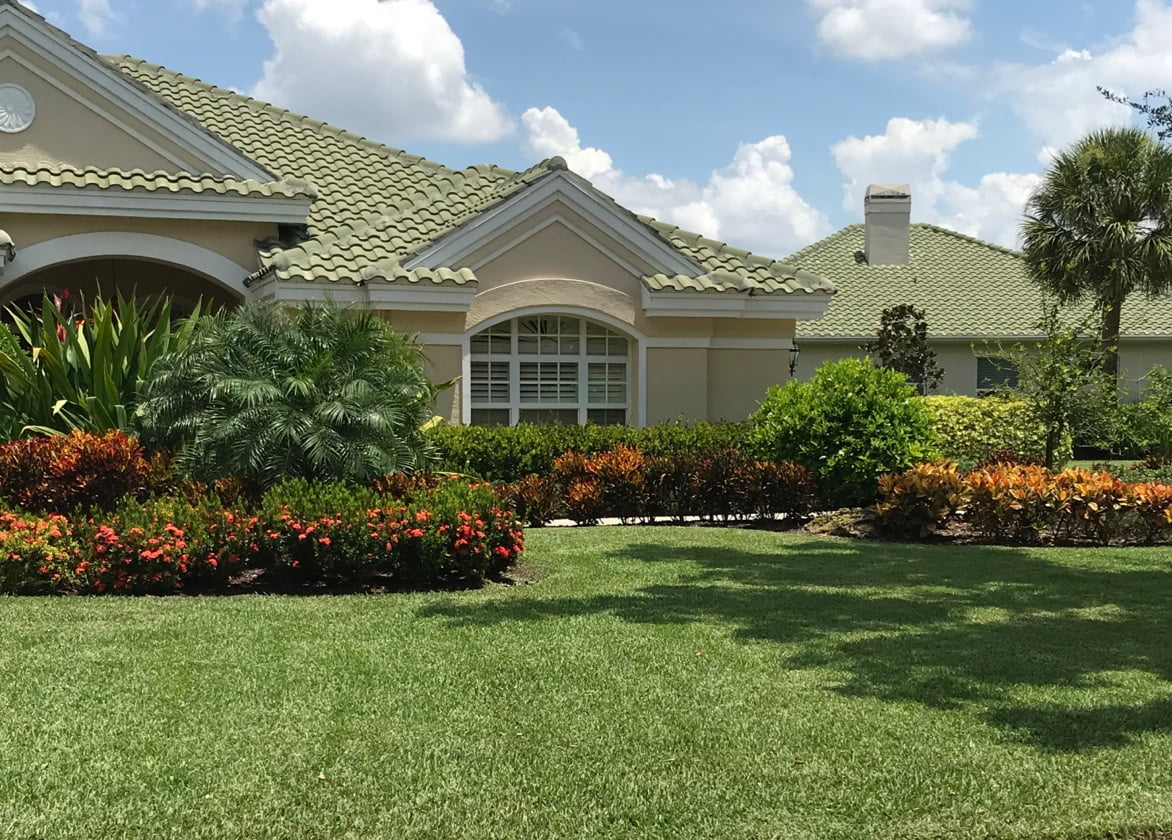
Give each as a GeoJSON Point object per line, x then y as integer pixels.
{"type": "Point", "coordinates": [738, 380]}
{"type": "Point", "coordinates": [444, 362]}
{"type": "Point", "coordinates": [234, 240]}
{"type": "Point", "coordinates": [677, 384]}
{"type": "Point", "coordinates": [77, 125]}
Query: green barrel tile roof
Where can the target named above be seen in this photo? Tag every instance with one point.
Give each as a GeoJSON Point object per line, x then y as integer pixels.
{"type": "Point", "coordinates": [138, 180]}
{"type": "Point", "coordinates": [395, 273]}
{"type": "Point", "coordinates": [376, 204]}
{"type": "Point", "coordinates": [967, 288]}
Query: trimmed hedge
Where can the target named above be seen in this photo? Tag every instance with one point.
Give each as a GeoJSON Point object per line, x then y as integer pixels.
{"type": "Point", "coordinates": [509, 453]}
{"type": "Point", "coordinates": [973, 429]}
{"type": "Point", "coordinates": [716, 485]}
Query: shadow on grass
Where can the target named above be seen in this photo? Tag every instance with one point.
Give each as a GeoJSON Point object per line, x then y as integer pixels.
{"type": "Point", "coordinates": [941, 626]}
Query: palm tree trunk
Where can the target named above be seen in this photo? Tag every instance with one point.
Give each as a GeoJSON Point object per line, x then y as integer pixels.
{"type": "Point", "coordinates": [1109, 338]}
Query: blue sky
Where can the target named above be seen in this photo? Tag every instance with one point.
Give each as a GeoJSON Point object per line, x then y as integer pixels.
{"type": "Point", "coordinates": [759, 122]}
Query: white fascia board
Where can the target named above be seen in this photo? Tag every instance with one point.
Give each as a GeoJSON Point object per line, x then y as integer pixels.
{"type": "Point", "coordinates": [116, 201]}
{"type": "Point", "coordinates": [455, 247]}
{"type": "Point", "coordinates": [435, 298]}
{"type": "Point", "coordinates": [301, 292]}
{"type": "Point", "coordinates": [113, 84]}
{"type": "Point", "coordinates": [734, 305]}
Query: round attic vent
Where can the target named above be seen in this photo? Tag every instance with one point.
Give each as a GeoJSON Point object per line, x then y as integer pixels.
{"type": "Point", "coordinates": [17, 109]}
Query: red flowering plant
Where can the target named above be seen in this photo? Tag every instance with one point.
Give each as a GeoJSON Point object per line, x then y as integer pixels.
{"type": "Point", "coordinates": [444, 531]}
{"type": "Point", "coordinates": [38, 555]}
{"type": "Point", "coordinates": [164, 546]}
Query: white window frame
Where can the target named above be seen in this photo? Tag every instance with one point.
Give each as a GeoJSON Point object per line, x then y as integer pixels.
{"type": "Point", "coordinates": [582, 359]}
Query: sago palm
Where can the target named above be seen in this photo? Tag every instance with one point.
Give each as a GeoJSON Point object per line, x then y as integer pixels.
{"type": "Point", "coordinates": [266, 393]}
{"type": "Point", "coordinates": [1099, 227]}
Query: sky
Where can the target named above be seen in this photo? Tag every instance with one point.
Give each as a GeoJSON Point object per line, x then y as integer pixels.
{"type": "Point", "coordinates": [755, 122]}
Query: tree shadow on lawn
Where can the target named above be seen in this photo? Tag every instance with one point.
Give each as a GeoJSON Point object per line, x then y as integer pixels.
{"type": "Point", "coordinates": [945, 627]}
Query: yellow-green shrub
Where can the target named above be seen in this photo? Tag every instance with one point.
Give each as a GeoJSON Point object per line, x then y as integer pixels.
{"type": "Point", "coordinates": [971, 429]}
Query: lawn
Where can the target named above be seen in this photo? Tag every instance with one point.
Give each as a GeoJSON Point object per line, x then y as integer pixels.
{"type": "Point", "coordinates": [651, 682]}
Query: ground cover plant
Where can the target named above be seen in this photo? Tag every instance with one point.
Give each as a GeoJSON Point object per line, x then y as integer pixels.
{"type": "Point", "coordinates": [652, 682]}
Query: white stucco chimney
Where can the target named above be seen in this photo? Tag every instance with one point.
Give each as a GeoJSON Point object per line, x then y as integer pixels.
{"type": "Point", "coordinates": [887, 211]}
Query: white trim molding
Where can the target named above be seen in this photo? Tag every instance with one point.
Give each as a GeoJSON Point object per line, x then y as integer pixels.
{"type": "Point", "coordinates": [564, 187]}
{"type": "Point", "coordinates": [142, 246]}
{"type": "Point", "coordinates": [84, 65]}
{"type": "Point", "coordinates": [397, 297]}
{"type": "Point", "coordinates": [796, 305]}
{"type": "Point", "coordinates": [148, 204]}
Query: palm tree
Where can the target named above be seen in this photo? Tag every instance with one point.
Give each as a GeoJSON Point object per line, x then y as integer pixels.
{"type": "Point", "coordinates": [265, 393]}
{"type": "Point", "coordinates": [1099, 227]}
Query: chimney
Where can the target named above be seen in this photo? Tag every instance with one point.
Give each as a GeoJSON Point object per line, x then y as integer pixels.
{"type": "Point", "coordinates": [887, 210]}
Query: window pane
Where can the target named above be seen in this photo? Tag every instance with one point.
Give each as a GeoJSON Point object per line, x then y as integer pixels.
{"type": "Point", "coordinates": [565, 416]}
{"type": "Point", "coordinates": [606, 382]}
{"type": "Point", "coordinates": [995, 373]}
{"type": "Point", "coordinates": [490, 382]}
{"type": "Point", "coordinates": [549, 382]}
{"type": "Point", "coordinates": [607, 416]}
{"type": "Point", "coordinates": [490, 417]}
{"type": "Point", "coordinates": [495, 340]}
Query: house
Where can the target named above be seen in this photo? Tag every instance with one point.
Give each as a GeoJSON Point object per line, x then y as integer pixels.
{"type": "Point", "coordinates": [975, 295]}
{"type": "Point", "coordinates": [546, 299]}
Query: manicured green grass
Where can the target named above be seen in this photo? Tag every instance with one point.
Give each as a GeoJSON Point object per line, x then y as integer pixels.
{"type": "Point", "coordinates": [654, 682]}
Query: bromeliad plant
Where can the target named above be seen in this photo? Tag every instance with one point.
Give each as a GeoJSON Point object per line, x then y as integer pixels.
{"type": "Point", "coordinates": [65, 372]}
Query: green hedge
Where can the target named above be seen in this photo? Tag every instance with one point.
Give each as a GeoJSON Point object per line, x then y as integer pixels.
{"type": "Point", "coordinates": [971, 429]}
{"type": "Point", "coordinates": [508, 453]}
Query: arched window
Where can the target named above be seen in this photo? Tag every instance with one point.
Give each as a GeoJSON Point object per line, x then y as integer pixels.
{"type": "Point", "coordinates": [549, 369]}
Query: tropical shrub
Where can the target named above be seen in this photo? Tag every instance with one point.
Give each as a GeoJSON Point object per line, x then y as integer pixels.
{"type": "Point", "coordinates": [972, 430]}
{"type": "Point", "coordinates": [1011, 502]}
{"type": "Point", "coordinates": [1149, 421]}
{"type": "Point", "coordinates": [921, 500]}
{"type": "Point", "coordinates": [65, 371]}
{"type": "Point", "coordinates": [264, 394]}
{"type": "Point", "coordinates": [850, 424]}
{"type": "Point", "coordinates": [76, 471]}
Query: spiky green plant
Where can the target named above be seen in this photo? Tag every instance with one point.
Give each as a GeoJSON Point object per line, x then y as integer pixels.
{"type": "Point", "coordinates": [64, 372]}
{"type": "Point", "coordinates": [266, 393]}
{"type": "Point", "coordinates": [1099, 227]}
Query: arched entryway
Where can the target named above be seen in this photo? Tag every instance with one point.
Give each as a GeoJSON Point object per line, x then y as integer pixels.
{"type": "Point", "coordinates": [141, 264]}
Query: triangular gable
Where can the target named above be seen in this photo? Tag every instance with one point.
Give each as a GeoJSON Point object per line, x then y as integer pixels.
{"type": "Point", "coordinates": [567, 189]}
{"type": "Point", "coordinates": [73, 108]}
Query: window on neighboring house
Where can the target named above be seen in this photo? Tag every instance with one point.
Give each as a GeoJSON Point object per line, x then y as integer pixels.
{"type": "Point", "coordinates": [549, 369]}
{"type": "Point", "coordinates": [994, 374]}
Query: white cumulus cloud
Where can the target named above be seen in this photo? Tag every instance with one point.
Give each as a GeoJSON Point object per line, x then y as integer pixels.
{"type": "Point", "coordinates": [1058, 100]}
{"type": "Point", "coordinates": [750, 203]}
{"type": "Point", "coordinates": [919, 153]}
{"type": "Point", "coordinates": [876, 30]}
{"type": "Point", "coordinates": [393, 70]}
{"type": "Point", "coordinates": [96, 15]}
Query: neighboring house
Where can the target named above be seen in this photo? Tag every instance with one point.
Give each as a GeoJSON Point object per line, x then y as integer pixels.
{"type": "Point", "coordinates": [547, 299]}
{"type": "Point", "coordinates": [975, 295]}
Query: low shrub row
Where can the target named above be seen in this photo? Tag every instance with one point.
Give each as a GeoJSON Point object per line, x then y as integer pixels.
{"type": "Point", "coordinates": [441, 532]}
{"type": "Point", "coordinates": [509, 453]}
{"type": "Point", "coordinates": [716, 484]}
{"type": "Point", "coordinates": [1026, 503]}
